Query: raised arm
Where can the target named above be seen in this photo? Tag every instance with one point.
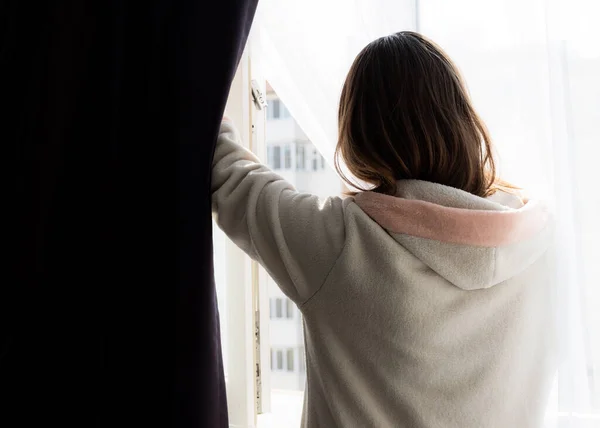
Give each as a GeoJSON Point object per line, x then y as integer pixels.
{"type": "Point", "coordinates": [296, 237]}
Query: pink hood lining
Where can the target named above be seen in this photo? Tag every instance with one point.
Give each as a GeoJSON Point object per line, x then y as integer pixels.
{"type": "Point", "coordinates": [482, 228]}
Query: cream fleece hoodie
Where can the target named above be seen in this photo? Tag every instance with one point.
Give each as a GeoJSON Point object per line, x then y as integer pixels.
{"type": "Point", "coordinates": [424, 310]}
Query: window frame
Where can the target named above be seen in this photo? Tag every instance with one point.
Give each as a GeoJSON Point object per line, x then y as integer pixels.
{"type": "Point", "coordinates": [248, 316]}
{"type": "Point", "coordinates": [240, 280]}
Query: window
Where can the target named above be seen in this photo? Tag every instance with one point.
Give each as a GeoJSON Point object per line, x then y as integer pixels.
{"type": "Point", "coordinates": [244, 289]}
{"type": "Point", "coordinates": [290, 360]}
{"type": "Point", "coordinates": [273, 109]}
{"type": "Point", "coordinates": [285, 338]}
{"type": "Point", "coordinates": [271, 308]}
{"type": "Point", "coordinates": [299, 157]}
{"type": "Point", "coordinates": [282, 308]}
{"type": "Point", "coordinates": [270, 156]}
{"type": "Point", "coordinates": [286, 387]}
{"type": "Point", "coordinates": [277, 110]}
{"type": "Point", "coordinates": [284, 360]}
{"type": "Point", "coordinates": [276, 157]}
{"type": "Point", "coordinates": [234, 280]}
{"type": "Point", "coordinates": [287, 155]}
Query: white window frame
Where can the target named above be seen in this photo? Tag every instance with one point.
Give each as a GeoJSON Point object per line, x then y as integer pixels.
{"type": "Point", "coordinates": [245, 282]}
{"type": "Point", "coordinates": [247, 311]}
{"type": "Point", "coordinates": [259, 147]}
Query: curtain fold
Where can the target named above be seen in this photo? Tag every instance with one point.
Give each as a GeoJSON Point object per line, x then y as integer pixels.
{"type": "Point", "coordinates": [110, 111]}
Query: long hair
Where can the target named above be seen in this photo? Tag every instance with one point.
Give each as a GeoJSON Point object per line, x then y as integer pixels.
{"type": "Point", "coordinates": [405, 113]}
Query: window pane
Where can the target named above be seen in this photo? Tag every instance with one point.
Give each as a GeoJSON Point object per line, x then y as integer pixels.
{"type": "Point", "coordinates": [276, 157]}
{"type": "Point", "coordinates": [322, 162]}
{"type": "Point", "coordinates": [271, 308]}
{"type": "Point", "coordinates": [275, 109]}
{"type": "Point", "coordinates": [288, 156]}
{"type": "Point", "coordinates": [308, 172]}
{"type": "Point", "coordinates": [290, 360]}
{"type": "Point", "coordinates": [270, 156]}
{"type": "Point", "coordinates": [300, 157]}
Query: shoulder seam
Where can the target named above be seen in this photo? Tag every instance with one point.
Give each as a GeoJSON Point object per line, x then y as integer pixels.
{"type": "Point", "coordinates": [303, 304]}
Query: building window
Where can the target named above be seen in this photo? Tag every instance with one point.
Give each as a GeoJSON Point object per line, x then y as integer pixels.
{"type": "Point", "coordinates": [281, 308]}
{"type": "Point", "coordinates": [270, 156]}
{"type": "Point", "coordinates": [315, 161]}
{"type": "Point", "coordinates": [322, 162]}
{"type": "Point", "coordinates": [277, 110]}
{"type": "Point", "coordinates": [276, 157]}
{"type": "Point", "coordinates": [300, 157]}
{"type": "Point", "coordinates": [287, 156]}
{"type": "Point", "coordinates": [273, 109]}
{"type": "Point", "coordinates": [285, 360]}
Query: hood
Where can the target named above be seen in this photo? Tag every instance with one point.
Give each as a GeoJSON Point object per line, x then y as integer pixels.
{"type": "Point", "coordinates": [472, 242]}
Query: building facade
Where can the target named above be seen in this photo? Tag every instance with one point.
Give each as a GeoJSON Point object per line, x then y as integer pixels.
{"type": "Point", "coordinates": [292, 155]}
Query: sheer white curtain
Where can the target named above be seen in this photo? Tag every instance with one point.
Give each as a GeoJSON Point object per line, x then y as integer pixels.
{"type": "Point", "coordinates": [533, 70]}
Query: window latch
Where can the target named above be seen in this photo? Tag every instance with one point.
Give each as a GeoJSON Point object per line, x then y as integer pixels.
{"type": "Point", "coordinates": [257, 95]}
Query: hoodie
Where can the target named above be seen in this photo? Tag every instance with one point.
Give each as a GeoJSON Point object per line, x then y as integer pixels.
{"type": "Point", "coordinates": [430, 308]}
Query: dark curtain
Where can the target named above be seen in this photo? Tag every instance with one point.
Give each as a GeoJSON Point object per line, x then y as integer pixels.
{"type": "Point", "coordinates": [108, 120]}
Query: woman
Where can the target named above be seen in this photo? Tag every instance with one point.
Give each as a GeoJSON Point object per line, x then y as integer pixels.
{"type": "Point", "coordinates": [426, 300]}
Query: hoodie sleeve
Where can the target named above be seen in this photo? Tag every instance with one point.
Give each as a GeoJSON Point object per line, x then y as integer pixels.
{"type": "Point", "coordinates": [296, 237]}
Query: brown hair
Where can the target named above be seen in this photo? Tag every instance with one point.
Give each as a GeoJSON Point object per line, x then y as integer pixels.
{"type": "Point", "coordinates": [405, 113]}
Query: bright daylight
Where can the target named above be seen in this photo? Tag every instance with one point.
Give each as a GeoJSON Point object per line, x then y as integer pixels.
{"type": "Point", "coordinates": [530, 69]}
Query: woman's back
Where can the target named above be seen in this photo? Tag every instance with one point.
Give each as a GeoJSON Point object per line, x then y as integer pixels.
{"type": "Point", "coordinates": [413, 332]}
{"type": "Point", "coordinates": [427, 309]}
{"type": "Point", "coordinates": [426, 297]}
